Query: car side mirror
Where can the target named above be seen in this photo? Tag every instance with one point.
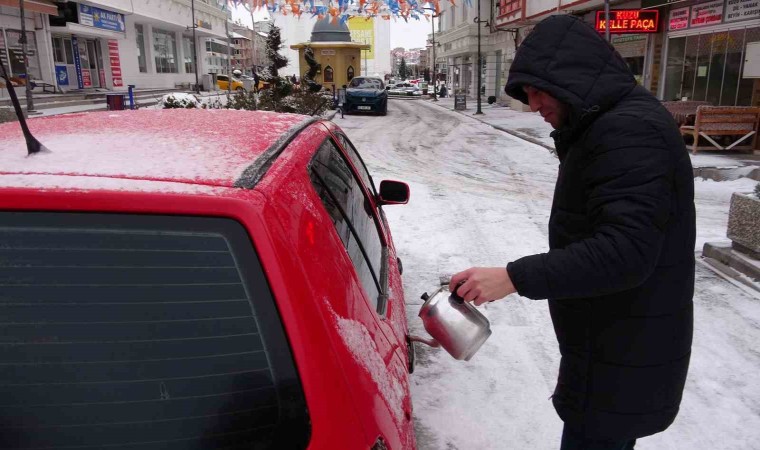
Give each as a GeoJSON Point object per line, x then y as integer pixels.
{"type": "Point", "coordinates": [393, 193]}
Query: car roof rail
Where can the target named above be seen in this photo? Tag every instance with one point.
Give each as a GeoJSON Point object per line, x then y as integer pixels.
{"type": "Point", "coordinates": [256, 171]}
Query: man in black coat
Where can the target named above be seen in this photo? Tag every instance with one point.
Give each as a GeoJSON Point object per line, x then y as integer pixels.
{"type": "Point", "coordinates": [619, 274]}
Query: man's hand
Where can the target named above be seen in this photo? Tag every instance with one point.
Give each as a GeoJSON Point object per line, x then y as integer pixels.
{"type": "Point", "coordinates": [482, 284]}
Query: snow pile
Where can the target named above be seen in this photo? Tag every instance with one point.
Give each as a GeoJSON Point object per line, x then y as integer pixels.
{"type": "Point", "coordinates": [179, 100]}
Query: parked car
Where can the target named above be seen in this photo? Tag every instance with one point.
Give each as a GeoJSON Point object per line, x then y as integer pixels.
{"type": "Point", "coordinates": [405, 89]}
{"type": "Point", "coordinates": [168, 285]}
{"type": "Point", "coordinates": [222, 82]}
{"type": "Point", "coordinates": [366, 94]}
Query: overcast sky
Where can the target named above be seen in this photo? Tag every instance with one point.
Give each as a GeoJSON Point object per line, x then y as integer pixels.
{"type": "Point", "coordinates": [412, 34]}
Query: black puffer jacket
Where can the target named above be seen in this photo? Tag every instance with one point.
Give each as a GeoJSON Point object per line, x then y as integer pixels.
{"type": "Point", "coordinates": [620, 272]}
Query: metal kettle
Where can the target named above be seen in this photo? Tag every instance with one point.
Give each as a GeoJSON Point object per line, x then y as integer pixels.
{"type": "Point", "coordinates": [454, 324]}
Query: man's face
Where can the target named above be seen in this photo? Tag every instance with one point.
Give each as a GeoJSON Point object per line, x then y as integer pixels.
{"type": "Point", "coordinates": [552, 110]}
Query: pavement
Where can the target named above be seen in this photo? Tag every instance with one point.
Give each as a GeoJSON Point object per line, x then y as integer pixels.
{"type": "Point", "coordinates": [531, 127]}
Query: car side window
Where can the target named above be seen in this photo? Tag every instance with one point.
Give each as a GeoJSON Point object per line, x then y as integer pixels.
{"type": "Point", "coordinates": [351, 213]}
{"type": "Point", "coordinates": [358, 162]}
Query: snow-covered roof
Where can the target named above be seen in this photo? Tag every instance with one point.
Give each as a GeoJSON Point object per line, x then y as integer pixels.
{"type": "Point", "coordinates": [209, 148]}
{"type": "Point", "coordinates": [236, 35]}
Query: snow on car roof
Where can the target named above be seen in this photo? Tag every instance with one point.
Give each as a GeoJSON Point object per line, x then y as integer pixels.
{"type": "Point", "coordinates": [211, 147]}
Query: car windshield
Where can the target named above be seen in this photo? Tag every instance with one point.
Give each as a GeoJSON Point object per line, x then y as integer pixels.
{"type": "Point", "coordinates": [366, 83]}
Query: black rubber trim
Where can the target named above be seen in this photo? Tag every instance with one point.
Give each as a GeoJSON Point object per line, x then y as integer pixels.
{"type": "Point", "coordinates": [256, 171]}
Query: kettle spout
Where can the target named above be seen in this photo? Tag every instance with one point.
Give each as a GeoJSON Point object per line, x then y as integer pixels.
{"type": "Point", "coordinates": [431, 342]}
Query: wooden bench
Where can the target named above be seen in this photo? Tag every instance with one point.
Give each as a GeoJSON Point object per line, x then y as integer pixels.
{"type": "Point", "coordinates": [712, 121]}
{"type": "Point", "coordinates": [684, 111]}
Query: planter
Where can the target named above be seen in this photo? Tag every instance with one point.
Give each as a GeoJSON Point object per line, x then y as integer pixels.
{"type": "Point", "coordinates": [744, 222]}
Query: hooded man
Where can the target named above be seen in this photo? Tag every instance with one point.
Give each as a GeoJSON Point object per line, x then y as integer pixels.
{"type": "Point", "coordinates": [619, 274]}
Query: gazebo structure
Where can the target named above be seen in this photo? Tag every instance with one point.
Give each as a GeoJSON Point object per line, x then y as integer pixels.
{"type": "Point", "coordinates": [330, 46]}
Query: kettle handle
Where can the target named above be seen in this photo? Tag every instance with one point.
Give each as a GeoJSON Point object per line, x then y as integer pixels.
{"type": "Point", "coordinates": [431, 342]}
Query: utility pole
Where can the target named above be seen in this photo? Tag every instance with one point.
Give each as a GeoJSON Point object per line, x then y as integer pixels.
{"type": "Point", "coordinates": [480, 61]}
{"type": "Point", "coordinates": [229, 55]}
{"type": "Point", "coordinates": [195, 48]}
{"type": "Point", "coordinates": [435, 69]}
{"type": "Point", "coordinates": [607, 20]}
{"type": "Point", "coordinates": [253, 40]}
{"type": "Point", "coordinates": [29, 99]}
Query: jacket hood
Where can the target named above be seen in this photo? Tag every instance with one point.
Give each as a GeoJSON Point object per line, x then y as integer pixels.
{"type": "Point", "coordinates": [566, 58]}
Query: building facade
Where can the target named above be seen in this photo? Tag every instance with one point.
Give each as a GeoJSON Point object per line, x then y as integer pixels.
{"type": "Point", "coordinates": [109, 44]}
{"type": "Point", "coordinates": [375, 32]}
{"type": "Point", "coordinates": [694, 49]}
{"type": "Point", "coordinates": [457, 49]}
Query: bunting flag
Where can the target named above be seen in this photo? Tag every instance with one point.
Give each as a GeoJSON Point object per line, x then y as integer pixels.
{"type": "Point", "coordinates": [339, 11]}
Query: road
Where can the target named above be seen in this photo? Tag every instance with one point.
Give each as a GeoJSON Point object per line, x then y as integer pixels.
{"type": "Point", "coordinates": [480, 197]}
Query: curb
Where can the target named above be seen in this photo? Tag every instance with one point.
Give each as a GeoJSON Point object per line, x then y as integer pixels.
{"type": "Point", "coordinates": [516, 134]}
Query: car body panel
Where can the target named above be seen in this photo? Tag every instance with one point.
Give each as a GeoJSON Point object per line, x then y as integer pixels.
{"type": "Point", "coordinates": [352, 362]}
{"type": "Point", "coordinates": [223, 83]}
{"type": "Point", "coordinates": [363, 99]}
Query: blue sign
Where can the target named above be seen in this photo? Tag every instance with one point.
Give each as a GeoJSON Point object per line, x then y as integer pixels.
{"type": "Point", "coordinates": [101, 18]}
{"type": "Point", "coordinates": [61, 75]}
{"type": "Point", "coordinates": [77, 61]}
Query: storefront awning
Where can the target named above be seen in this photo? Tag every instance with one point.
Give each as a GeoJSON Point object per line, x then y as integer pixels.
{"type": "Point", "coordinates": [34, 6]}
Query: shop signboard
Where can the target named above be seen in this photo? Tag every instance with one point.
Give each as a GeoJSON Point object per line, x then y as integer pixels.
{"type": "Point", "coordinates": [86, 79]}
{"type": "Point", "coordinates": [679, 19]}
{"type": "Point", "coordinates": [742, 10]}
{"type": "Point", "coordinates": [113, 56]}
{"type": "Point", "coordinates": [629, 21]}
{"type": "Point", "coordinates": [460, 102]}
{"type": "Point", "coordinates": [706, 14]}
{"type": "Point", "coordinates": [61, 75]}
{"type": "Point", "coordinates": [77, 62]}
{"type": "Point", "coordinates": [101, 18]}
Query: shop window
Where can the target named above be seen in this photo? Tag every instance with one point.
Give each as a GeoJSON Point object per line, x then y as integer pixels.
{"type": "Point", "coordinates": [59, 55]}
{"type": "Point", "coordinates": [68, 48]}
{"type": "Point", "coordinates": [165, 48]}
{"type": "Point", "coordinates": [329, 78]}
{"type": "Point", "coordinates": [715, 79]}
{"type": "Point", "coordinates": [16, 54]}
{"type": "Point", "coordinates": [674, 69]}
{"type": "Point", "coordinates": [188, 47]}
{"type": "Point", "coordinates": [140, 41]}
{"type": "Point", "coordinates": [733, 68]}
{"type": "Point", "coordinates": [350, 73]}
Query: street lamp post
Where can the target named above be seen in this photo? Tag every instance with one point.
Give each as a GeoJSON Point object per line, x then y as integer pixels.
{"type": "Point", "coordinates": [29, 99]}
{"type": "Point", "coordinates": [195, 48]}
{"type": "Point", "coordinates": [480, 60]}
{"type": "Point", "coordinates": [435, 69]}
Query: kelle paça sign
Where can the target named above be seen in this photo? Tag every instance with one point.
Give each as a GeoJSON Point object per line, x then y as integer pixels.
{"type": "Point", "coordinates": [629, 21]}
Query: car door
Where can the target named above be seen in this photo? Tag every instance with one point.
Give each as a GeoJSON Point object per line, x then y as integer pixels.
{"type": "Point", "coordinates": [382, 372]}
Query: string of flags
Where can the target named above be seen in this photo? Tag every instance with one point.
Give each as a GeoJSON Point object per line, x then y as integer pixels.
{"type": "Point", "coordinates": [342, 10]}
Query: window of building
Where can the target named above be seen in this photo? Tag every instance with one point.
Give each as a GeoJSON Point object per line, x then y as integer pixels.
{"type": "Point", "coordinates": [350, 73]}
{"type": "Point", "coordinates": [16, 54]}
{"type": "Point", "coordinates": [709, 67]}
{"type": "Point", "coordinates": [165, 48]}
{"type": "Point", "coordinates": [352, 217]}
{"type": "Point", "coordinates": [188, 47]}
{"type": "Point", "coordinates": [140, 41]}
{"type": "Point", "coordinates": [507, 7]}
{"type": "Point", "coordinates": [329, 75]}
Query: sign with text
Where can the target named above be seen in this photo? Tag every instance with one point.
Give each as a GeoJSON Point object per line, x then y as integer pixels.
{"type": "Point", "coordinates": [77, 61]}
{"type": "Point", "coordinates": [629, 21]}
{"type": "Point", "coordinates": [706, 14]}
{"type": "Point", "coordinates": [679, 19]}
{"type": "Point", "coordinates": [101, 18]}
{"type": "Point", "coordinates": [460, 102]}
{"type": "Point", "coordinates": [363, 31]}
{"type": "Point", "coordinates": [113, 56]}
{"type": "Point", "coordinates": [742, 10]}
{"type": "Point", "coordinates": [61, 75]}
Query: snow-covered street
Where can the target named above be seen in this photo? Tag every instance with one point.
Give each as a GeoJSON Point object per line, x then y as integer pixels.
{"type": "Point", "coordinates": [481, 197]}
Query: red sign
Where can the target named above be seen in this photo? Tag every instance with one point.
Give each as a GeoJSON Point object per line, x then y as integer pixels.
{"type": "Point", "coordinates": [624, 21]}
{"type": "Point", "coordinates": [86, 79]}
{"type": "Point", "coordinates": [113, 56]}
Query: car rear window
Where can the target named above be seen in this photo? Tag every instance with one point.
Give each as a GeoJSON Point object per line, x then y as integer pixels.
{"type": "Point", "coordinates": [144, 332]}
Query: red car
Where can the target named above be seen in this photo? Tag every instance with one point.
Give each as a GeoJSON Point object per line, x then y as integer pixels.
{"type": "Point", "coordinates": [179, 279]}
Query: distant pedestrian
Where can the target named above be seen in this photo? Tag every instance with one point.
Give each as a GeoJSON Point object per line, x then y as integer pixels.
{"type": "Point", "coordinates": [256, 80]}
{"type": "Point", "coordinates": [443, 92]}
{"type": "Point", "coordinates": [619, 274]}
